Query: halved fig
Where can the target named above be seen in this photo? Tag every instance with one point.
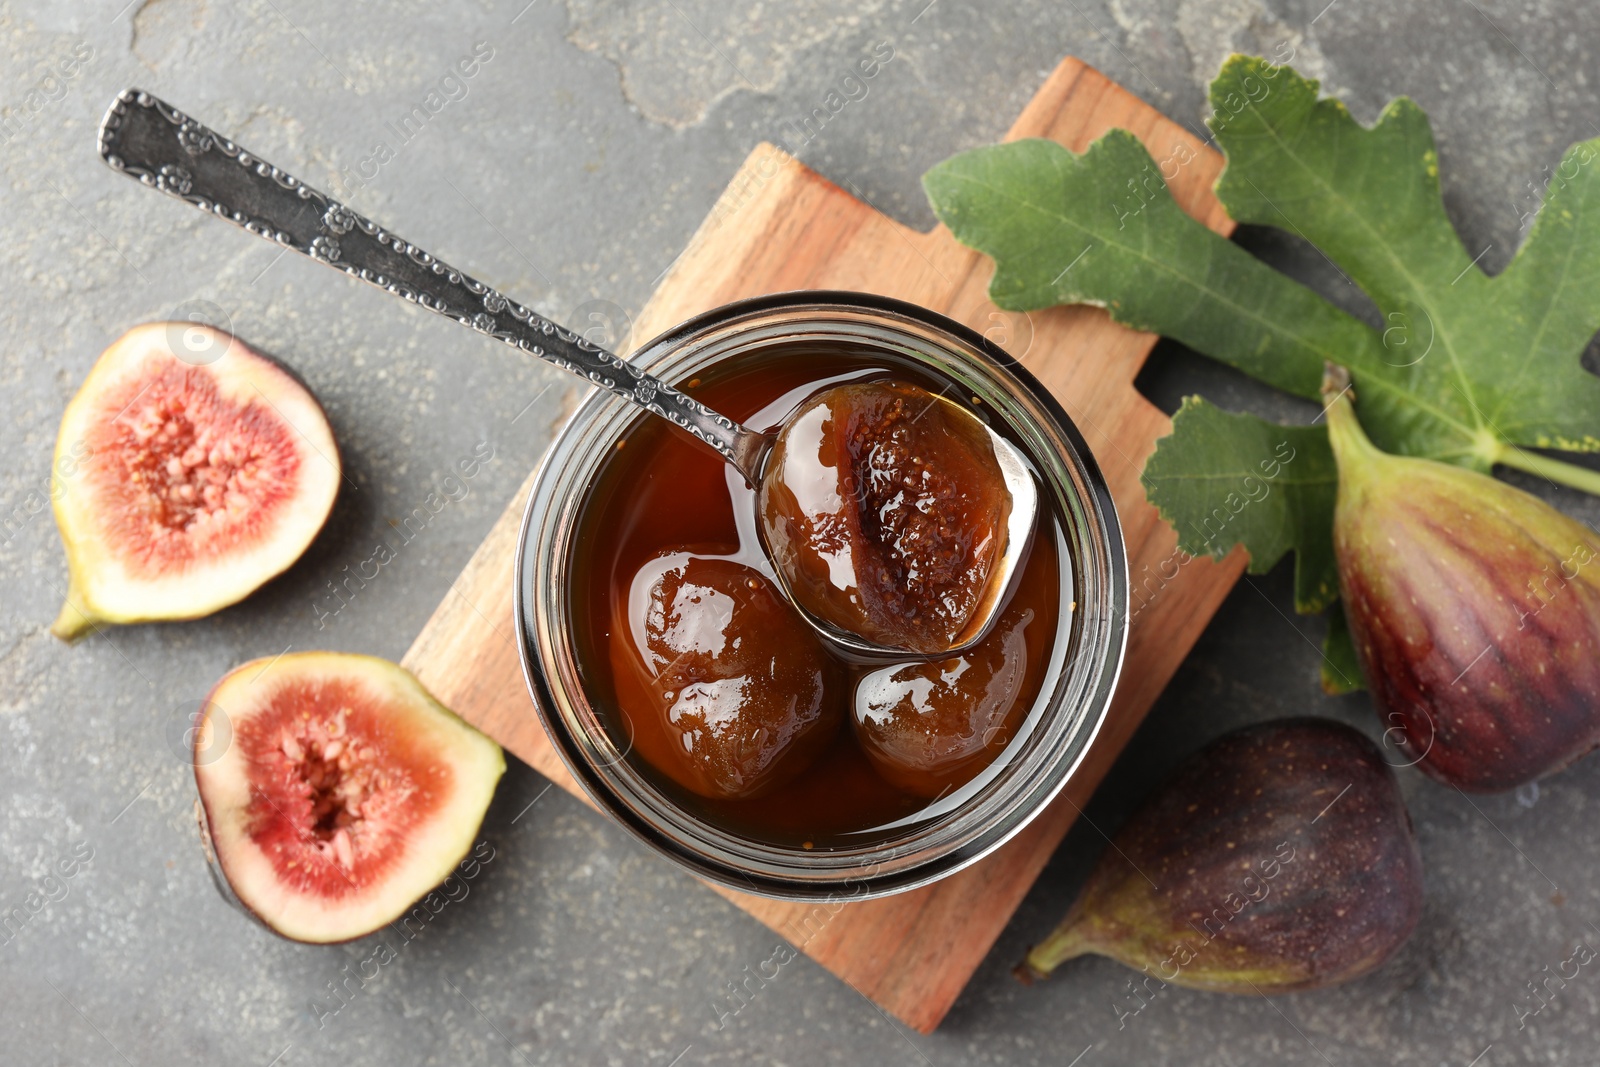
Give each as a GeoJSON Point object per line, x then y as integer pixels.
{"type": "Point", "coordinates": [346, 794]}
{"type": "Point", "coordinates": [182, 483]}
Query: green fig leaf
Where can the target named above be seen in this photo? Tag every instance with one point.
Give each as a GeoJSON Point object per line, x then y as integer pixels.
{"type": "Point", "coordinates": [1102, 229]}
{"type": "Point", "coordinates": [1341, 670]}
{"type": "Point", "coordinates": [1223, 479]}
{"type": "Point", "coordinates": [1466, 368]}
{"type": "Point", "coordinates": [1485, 362]}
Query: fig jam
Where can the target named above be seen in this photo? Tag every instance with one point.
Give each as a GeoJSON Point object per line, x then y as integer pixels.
{"type": "Point", "coordinates": [723, 698]}
{"type": "Point", "coordinates": [709, 647]}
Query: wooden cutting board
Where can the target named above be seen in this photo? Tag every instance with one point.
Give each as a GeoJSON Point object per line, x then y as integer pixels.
{"type": "Point", "coordinates": [781, 226]}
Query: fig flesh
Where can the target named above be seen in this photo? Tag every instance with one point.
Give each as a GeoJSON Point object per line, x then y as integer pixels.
{"type": "Point", "coordinates": [727, 690]}
{"type": "Point", "coordinates": [1280, 857]}
{"type": "Point", "coordinates": [192, 480]}
{"type": "Point", "coordinates": [1475, 612]}
{"type": "Point", "coordinates": [885, 509]}
{"type": "Point", "coordinates": [343, 792]}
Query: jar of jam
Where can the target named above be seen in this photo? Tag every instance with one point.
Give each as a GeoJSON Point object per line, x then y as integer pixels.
{"type": "Point", "coordinates": [696, 707]}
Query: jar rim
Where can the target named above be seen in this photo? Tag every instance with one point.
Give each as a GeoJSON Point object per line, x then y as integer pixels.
{"type": "Point", "coordinates": [1095, 641]}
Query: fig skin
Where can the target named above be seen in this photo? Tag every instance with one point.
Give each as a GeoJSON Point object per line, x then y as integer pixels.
{"type": "Point", "coordinates": [1278, 858]}
{"type": "Point", "coordinates": [254, 473]}
{"type": "Point", "coordinates": [1475, 611]}
{"type": "Point", "coordinates": [407, 789]}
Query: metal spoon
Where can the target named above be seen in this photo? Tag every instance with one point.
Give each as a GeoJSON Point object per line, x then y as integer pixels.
{"type": "Point", "coordinates": [148, 139]}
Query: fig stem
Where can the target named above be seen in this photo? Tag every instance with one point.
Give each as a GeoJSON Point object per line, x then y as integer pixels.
{"type": "Point", "coordinates": [1349, 440]}
{"type": "Point", "coordinates": [71, 624]}
{"type": "Point", "coordinates": [1554, 469]}
{"type": "Point", "coordinates": [1066, 942]}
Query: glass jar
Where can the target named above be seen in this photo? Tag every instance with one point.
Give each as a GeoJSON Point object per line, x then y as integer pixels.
{"type": "Point", "coordinates": [972, 821]}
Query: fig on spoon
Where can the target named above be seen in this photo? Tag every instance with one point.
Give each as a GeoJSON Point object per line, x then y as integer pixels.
{"type": "Point", "coordinates": [927, 584]}
{"type": "Point", "coordinates": [888, 511]}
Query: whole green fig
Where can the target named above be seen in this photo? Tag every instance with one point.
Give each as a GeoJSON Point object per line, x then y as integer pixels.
{"type": "Point", "coordinates": [1279, 857]}
{"type": "Point", "coordinates": [1474, 608]}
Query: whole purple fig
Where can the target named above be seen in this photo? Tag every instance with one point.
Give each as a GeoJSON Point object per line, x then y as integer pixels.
{"type": "Point", "coordinates": [1279, 857]}
{"type": "Point", "coordinates": [1475, 611]}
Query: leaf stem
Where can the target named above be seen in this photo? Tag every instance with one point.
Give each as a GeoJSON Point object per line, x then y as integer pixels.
{"type": "Point", "coordinates": [1554, 469]}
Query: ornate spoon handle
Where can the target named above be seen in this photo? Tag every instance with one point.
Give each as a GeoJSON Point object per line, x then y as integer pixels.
{"type": "Point", "coordinates": [149, 139]}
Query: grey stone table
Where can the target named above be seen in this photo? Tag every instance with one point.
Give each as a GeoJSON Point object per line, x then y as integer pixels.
{"type": "Point", "coordinates": [570, 169]}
